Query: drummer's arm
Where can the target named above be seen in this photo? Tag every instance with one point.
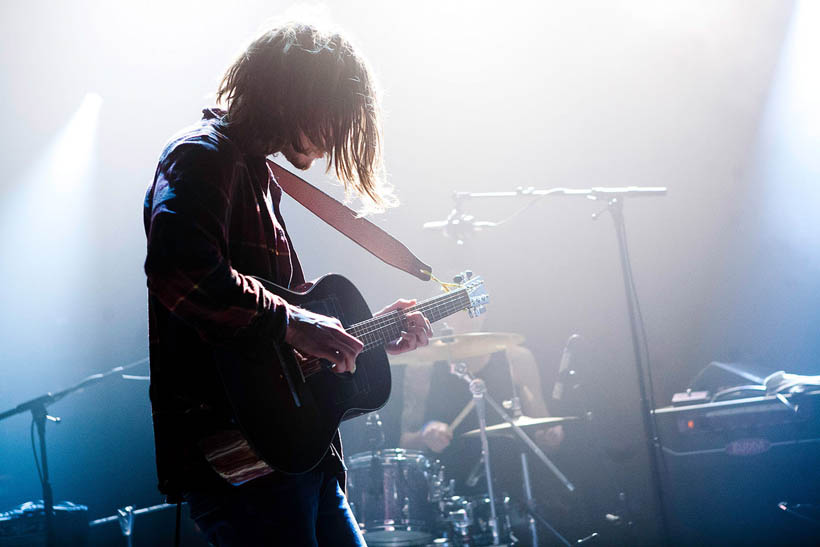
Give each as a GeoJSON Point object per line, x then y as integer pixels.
{"type": "Point", "coordinates": [434, 435]}
{"type": "Point", "coordinates": [525, 375]}
{"type": "Point", "coordinates": [415, 434]}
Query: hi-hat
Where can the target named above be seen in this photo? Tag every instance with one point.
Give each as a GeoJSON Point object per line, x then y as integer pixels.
{"type": "Point", "coordinates": [525, 423]}
{"type": "Point", "coordinates": [457, 347]}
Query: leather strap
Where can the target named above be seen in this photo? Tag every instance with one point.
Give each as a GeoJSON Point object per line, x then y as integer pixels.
{"type": "Point", "coordinates": [359, 229]}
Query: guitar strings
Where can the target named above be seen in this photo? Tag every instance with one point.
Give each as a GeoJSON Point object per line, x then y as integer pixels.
{"type": "Point", "coordinates": [421, 306]}
{"type": "Point", "coordinates": [378, 323]}
{"type": "Point", "coordinates": [450, 305]}
{"type": "Point", "coordinates": [391, 331]}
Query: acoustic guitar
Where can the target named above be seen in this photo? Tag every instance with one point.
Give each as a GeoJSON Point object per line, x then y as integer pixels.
{"type": "Point", "coordinates": [288, 406]}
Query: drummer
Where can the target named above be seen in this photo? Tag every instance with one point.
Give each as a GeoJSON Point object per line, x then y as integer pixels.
{"type": "Point", "coordinates": [433, 399]}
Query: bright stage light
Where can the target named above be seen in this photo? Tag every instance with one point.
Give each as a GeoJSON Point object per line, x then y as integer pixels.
{"type": "Point", "coordinates": [49, 251]}
{"type": "Point", "coordinates": [790, 138]}
{"type": "Point", "coordinates": [71, 158]}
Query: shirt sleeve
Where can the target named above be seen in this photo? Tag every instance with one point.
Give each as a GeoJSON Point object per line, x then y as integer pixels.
{"type": "Point", "coordinates": [187, 217]}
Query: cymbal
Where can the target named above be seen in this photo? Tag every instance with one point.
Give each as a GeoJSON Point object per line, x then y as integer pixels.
{"type": "Point", "coordinates": [457, 347]}
{"type": "Point", "coordinates": [524, 422]}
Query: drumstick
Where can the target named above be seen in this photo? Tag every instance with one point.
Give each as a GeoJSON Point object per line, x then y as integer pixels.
{"type": "Point", "coordinates": [461, 415]}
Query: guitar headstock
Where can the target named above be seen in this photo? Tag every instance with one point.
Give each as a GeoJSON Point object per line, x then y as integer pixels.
{"type": "Point", "coordinates": [474, 286]}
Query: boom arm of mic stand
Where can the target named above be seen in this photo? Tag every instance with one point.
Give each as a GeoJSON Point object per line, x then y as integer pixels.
{"type": "Point", "coordinates": [51, 398]}
{"type": "Point", "coordinates": [532, 446]}
{"type": "Point", "coordinates": [598, 192]}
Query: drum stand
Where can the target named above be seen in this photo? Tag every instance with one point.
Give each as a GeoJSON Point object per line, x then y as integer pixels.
{"type": "Point", "coordinates": [478, 389]}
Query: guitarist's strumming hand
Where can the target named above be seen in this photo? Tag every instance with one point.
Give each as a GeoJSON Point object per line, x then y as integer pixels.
{"type": "Point", "coordinates": [417, 329]}
{"type": "Point", "coordinates": [322, 336]}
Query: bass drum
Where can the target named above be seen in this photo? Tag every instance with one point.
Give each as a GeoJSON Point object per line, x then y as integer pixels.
{"type": "Point", "coordinates": [391, 494]}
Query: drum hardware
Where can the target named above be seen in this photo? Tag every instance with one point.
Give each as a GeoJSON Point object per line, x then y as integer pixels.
{"type": "Point", "coordinates": [463, 521]}
{"type": "Point", "coordinates": [518, 415]}
{"type": "Point", "coordinates": [466, 520]}
{"type": "Point", "coordinates": [515, 405]}
{"type": "Point", "coordinates": [479, 392]}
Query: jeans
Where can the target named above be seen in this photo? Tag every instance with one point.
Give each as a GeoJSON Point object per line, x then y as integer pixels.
{"type": "Point", "coordinates": [299, 510]}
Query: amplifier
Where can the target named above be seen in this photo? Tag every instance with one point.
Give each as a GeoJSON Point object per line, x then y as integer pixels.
{"type": "Point", "coordinates": [728, 467]}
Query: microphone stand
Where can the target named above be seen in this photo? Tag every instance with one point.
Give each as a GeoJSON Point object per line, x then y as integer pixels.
{"type": "Point", "coordinates": [598, 192]}
{"type": "Point", "coordinates": [38, 408]}
{"type": "Point", "coordinates": [615, 206]}
{"type": "Point", "coordinates": [460, 225]}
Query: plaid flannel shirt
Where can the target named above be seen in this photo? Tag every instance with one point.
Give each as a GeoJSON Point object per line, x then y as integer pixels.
{"type": "Point", "coordinates": [212, 220]}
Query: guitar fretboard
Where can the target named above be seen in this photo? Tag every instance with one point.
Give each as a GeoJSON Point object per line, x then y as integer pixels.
{"type": "Point", "coordinates": [377, 331]}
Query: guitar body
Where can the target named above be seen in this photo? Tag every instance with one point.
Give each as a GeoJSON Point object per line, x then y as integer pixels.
{"type": "Point", "coordinates": [290, 420]}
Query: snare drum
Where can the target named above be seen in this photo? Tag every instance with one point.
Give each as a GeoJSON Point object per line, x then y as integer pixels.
{"type": "Point", "coordinates": [391, 496]}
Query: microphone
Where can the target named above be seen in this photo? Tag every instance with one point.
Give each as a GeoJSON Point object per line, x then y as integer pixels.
{"type": "Point", "coordinates": [564, 369]}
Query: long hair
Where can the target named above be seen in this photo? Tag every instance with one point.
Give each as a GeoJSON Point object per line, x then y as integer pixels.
{"type": "Point", "coordinates": [296, 79]}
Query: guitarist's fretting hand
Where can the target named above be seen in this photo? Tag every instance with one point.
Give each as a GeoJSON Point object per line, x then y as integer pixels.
{"type": "Point", "coordinates": [322, 336]}
{"type": "Point", "coordinates": [418, 329]}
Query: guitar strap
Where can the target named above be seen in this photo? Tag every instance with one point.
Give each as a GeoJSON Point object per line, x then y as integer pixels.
{"type": "Point", "coordinates": [366, 234]}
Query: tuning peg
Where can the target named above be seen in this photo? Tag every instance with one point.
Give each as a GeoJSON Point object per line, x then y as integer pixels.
{"type": "Point", "coordinates": [468, 274]}
{"type": "Point", "coordinates": [459, 279]}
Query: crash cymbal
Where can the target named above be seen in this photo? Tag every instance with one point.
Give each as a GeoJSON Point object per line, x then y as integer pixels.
{"type": "Point", "coordinates": [458, 347]}
{"type": "Point", "coordinates": [524, 422]}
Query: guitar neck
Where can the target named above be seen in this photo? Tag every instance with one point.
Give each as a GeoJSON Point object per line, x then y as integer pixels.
{"type": "Point", "coordinates": [379, 330]}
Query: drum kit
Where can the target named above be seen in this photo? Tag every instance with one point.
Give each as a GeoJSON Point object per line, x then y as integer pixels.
{"type": "Point", "coordinates": [402, 498]}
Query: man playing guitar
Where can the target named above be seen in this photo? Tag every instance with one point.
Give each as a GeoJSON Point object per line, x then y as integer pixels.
{"type": "Point", "coordinates": [212, 221]}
